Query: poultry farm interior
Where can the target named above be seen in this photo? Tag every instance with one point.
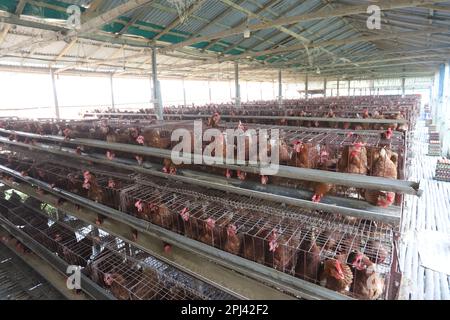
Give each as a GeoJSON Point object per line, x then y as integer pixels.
{"type": "Point", "coordinates": [103, 193]}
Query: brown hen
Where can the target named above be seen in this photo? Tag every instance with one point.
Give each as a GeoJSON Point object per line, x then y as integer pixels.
{"type": "Point", "coordinates": [367, 282]}
{"type": "Point", "coordinates": [308, 259]}
{"type": "Point", "coordinates": [336, 275]}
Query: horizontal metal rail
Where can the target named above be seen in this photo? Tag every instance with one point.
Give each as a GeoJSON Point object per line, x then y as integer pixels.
{"type": "Point", "coordinates": [249, 268]}
{"type": "Point", "coordinates": [338, 178]}
{"type": "Point", "coordinates": [290, 118]}
{"type": "Point", "coordinates": [344, 206]}
{"type": "Point", "coordinates": [87, 285]}
{"type": "Point", "coordinates": [237, 117]}
{"type": "Point", "coordinates": [330, 130]}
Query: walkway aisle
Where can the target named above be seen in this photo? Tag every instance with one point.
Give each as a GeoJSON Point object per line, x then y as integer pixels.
{"type": "Point", "coordinates": [430, 212]}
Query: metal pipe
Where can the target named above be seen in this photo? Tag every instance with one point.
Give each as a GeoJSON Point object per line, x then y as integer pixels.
{"type": "Point", "coordinates": [260, 91]}
{"type": "Point", "coordinates": [280, 90]}
{"type": "Point", "coordinates": [306, 86]}
{"type": "Point", "coordinates": [156, 87]}
{"type": "Point", "coordinates": [337, 88]}
{"type": "Point", "coordinates": [55, 94]}
{"type": "Point", "coordinates": [237, 87]}
{"type": "Point", "coordinates": [112, 91]}
{"type": "Point", "coordinates": [338, 178]}
{"type": "Point", "coordinates": [237, 117]}
{"type": "Point", "coordinates": [209, 92]}
{"type": "Point", "coordinates": [403, 87]}
{"type": "Point", "coordinates": [325, 87]}
{"type": "Point", "coordinates": [246, 89]}
{"type": "Point", "coordinates": [184, 94]}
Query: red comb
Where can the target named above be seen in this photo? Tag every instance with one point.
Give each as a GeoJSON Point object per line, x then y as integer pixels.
{"type": "Point", "coordinates": [339, 269]}
{"type": "Point", "coordinates": [185, 214]}
{"type": "Point", "coordinates": [139, 206]}
{"type": "Point", "coordinates": [211, 223]}
{"type": "Point", "coordinates": [111, 183]}
{"type": "Point", "coordinates": [231, 230]}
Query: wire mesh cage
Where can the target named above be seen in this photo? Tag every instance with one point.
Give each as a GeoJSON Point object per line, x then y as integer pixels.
{"type": "Point", "coordinates": [316, 246]}
{"type": "Point", "coordinates": [378, 107]}
{"type": "Point", "coordinates": [279, 237]}
{"type": "Point", "coordinates": [131, 274]}
{"type": "Point", "coordinates": [100, 186]}
{"type": "Point", "coordinates": [126, 271]}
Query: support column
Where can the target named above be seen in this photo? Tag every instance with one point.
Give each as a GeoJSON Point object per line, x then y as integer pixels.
{"type": "Point", "coordinates": [184, 93]}
{"type": "Point", "coordinates": [349, 85]}
{"type": "Point", "coordinates": [273, 90]}
{"type": "Point", "coordinates": [337, 88]}
{"type": "Point", "coordinates": [237, 87]}
{"type": "Point", "coordinates": [403, 87]}
{"type": "Point", "coordinates": [260, 91]}
{"type": "Point", "coordinates": [280, 90]}
{"type": "Point", "coordinates": [209, 91]}
{"type": "Point", "coordinates": [246, 89]}
{"type": "Point", "coordinates": [156, 88]}
{"type": "Point", "coordinates": [306, 86]}
{"type": "Point", "coordinates": [55, 94]}
{"type": "Point", "coordinates": [325, 87]}
{"type": "Point", "coordinates": [111, 84]}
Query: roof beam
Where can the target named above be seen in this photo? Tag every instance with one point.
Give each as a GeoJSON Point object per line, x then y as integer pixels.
{"type": "Point", "coordinates": [66, 48]}
{"type": "Point", "coordinates": [366, 59]}
{"type": "Point", "coordinates": [270, 36]}
{"type": "Point", "coordinates": [410, 26]}
{"type": "Point", "coordinates": [241, 22]}
{"type": "Point", "coordinates": [341, 12]}
{"type": "Point", "coordinates": [336, 33]}
{"type": "Point", "coordinates": [192, 8]}
{"type": "Point", "coordinates": [114, 57]}
{"type": "Point", "coordinates": [92, 9]}
{"type": "Point", "coordinates": [436, 8]}
{"type": "Point", "coordinates": [336, 43]}
{"type": "Point", "coordinates": [283, 29]}
{"type": "Point", "coordinates": [18, 11]}
{"type": "Point", "coordinates": [132, 21]}
{"type": "Point", "coordinates": [106, 17]}
{"type": "Point", "coordinates": [218, 17]}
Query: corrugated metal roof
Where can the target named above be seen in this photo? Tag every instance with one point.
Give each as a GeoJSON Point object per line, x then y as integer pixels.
{"type": "Point", "coordinates": [209, 19]}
